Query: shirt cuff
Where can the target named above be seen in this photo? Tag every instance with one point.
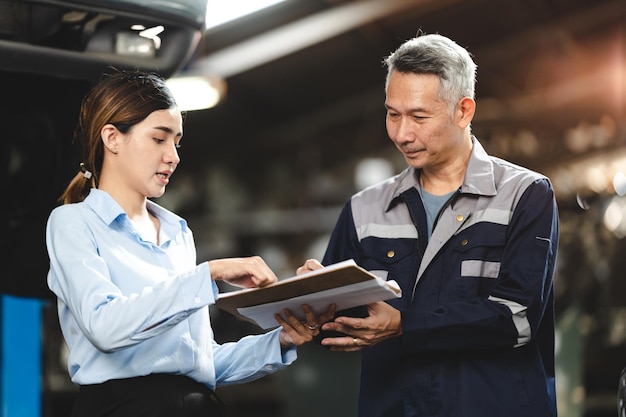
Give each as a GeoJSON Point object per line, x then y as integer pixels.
{"type": "Point", "coordinates": [287, 355]}
{"type": "Point", "coordinates": [198, 289]}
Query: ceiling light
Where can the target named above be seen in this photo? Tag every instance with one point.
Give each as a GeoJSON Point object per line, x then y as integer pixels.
{"type": "Point", "coordinates": [153, 34]}
{"type": "Point", "coordinates": [139, 41]}
{"type": "Point", "coordinates": [131, 44]}
{"type": "Point", "coordinates": [219, 12]}
{"type": "Point", "coordinates": [196, 93]}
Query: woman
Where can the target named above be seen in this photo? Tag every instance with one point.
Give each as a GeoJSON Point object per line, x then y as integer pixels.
{"type": "Point", "coordinates": [132, 301]}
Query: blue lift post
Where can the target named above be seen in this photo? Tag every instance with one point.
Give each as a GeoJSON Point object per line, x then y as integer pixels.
{"type": "Point", "coordinates": [21, 356]}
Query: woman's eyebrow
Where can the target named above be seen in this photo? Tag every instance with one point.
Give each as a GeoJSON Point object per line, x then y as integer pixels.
{"type": "Point", "coordinates": [167, 130]}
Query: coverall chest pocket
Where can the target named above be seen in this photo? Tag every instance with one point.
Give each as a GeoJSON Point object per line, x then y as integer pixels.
{"type": "Point", "coordinates": [391, 259]}
{"type": "Point", "coordinates": [479, 263]}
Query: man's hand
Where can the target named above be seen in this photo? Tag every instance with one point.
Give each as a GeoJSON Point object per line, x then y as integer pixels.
{"type": "Point", "coordinates": [383, 322]}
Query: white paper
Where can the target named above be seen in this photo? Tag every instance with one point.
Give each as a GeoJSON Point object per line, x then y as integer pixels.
{"type": "Point", "coordinates": [347, 296]}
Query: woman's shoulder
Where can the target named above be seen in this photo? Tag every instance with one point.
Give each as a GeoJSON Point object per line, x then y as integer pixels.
{"type": "Point", "coordinates": [68, 214]}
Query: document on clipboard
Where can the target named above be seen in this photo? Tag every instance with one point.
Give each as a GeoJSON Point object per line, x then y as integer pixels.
{"type": "Point", "coordinates": [345, 284]}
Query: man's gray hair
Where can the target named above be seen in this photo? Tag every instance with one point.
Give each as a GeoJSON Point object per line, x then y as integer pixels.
{"type": "Point", "coordinates": [441, 56]}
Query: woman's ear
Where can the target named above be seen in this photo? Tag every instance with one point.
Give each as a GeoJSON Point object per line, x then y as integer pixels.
{"type": "Point", "coordinates": [110, 137]}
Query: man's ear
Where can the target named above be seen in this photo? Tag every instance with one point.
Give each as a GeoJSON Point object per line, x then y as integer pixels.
{"type": "Point", "coordinates": [110, 137]}
{"type": "Point", "coordinates": [466, 109]}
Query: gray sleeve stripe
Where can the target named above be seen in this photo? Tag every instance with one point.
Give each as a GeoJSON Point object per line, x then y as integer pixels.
{"type": "Point", "coordinates": [519, 319]}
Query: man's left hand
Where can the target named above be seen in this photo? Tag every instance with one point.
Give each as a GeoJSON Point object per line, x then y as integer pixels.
{"type": "Point", "coordinates": [383, 322]}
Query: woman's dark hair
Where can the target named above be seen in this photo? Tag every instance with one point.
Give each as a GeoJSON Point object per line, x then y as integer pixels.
{"type": "Point", "coordinates": [122, 98]}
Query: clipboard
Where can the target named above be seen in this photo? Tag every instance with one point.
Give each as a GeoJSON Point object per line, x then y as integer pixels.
{"type": "Point", "coordinates": [345, 284]}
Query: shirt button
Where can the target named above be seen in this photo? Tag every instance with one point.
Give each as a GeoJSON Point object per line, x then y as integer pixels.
{"type": "Point", "coordinates": [464, 242]}
{"type": "Point", "coordinates": [459, 217]}
{"type": "Point", "coordinates": [197, 300]}
{"type": "Point", "coordinates": [391, 254]}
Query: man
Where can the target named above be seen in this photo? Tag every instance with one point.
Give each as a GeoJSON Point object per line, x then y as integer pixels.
{"type": "Point", "coordinates": [472, 241]}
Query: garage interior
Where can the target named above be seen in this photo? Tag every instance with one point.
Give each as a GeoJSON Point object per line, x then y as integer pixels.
{"type": "Point", "coordinates": [300, 127]}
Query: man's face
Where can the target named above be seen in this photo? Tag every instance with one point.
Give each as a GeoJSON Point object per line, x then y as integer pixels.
{"type": "Point", "coordinates": [418, 122]}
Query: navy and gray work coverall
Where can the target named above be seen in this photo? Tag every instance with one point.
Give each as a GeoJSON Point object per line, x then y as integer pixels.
{"type": "Point", "coordinates": [477, 299]}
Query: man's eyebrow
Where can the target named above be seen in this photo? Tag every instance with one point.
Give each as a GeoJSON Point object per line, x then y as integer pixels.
{"type": "Point", "coordinates": [409, 111]}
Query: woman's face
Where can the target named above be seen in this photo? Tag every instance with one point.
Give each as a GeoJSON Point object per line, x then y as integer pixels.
{"type": "Point", "coordinates": [148, 154]}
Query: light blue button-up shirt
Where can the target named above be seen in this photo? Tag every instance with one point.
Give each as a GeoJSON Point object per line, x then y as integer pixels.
{"type": "Point", "coordinates": [128, 307]}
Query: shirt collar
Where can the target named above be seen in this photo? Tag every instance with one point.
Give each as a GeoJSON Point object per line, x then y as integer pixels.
{"type": "Point", "coordinates": [109, 210]}
{"type": "Point", "coordinates": [479, 176]}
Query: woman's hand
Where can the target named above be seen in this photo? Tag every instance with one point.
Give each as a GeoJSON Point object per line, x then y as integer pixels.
{"type": "Point", "coordinates": [249, 272]}
{"type": "Point", "coordinates": [296, 332]}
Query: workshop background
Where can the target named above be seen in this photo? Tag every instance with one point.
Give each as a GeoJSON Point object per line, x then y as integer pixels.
{"type": "Point", "coordinates": [297, 126]}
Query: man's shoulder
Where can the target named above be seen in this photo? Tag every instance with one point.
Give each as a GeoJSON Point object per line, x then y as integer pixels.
{"type": "Point", "coordinates": [507, 171]}
{"type": "Point", "coordinates": [502, 169]}
{"type": "Point", "coordinates": [513, 167]}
